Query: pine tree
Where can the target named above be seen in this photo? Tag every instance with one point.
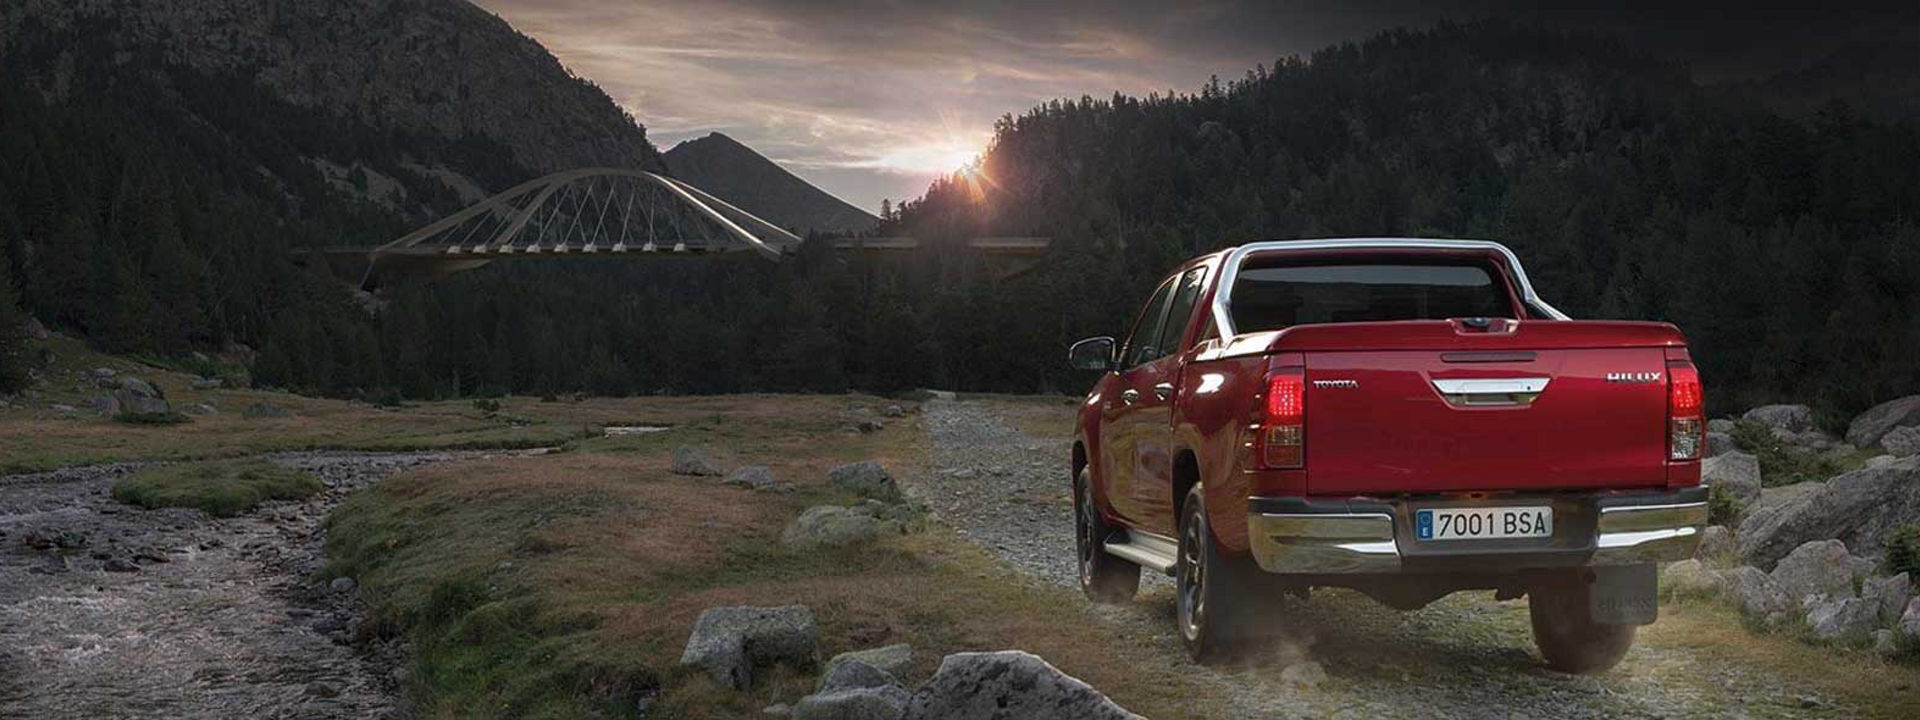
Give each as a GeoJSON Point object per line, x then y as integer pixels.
{"type": "Point", "coordinates": [15, 352]}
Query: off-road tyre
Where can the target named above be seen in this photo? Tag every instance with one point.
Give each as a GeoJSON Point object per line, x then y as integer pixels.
{"type": "Point", "coordinates": [1103, 577]}
{"type": "Point", "coordinates": [1211, 590]}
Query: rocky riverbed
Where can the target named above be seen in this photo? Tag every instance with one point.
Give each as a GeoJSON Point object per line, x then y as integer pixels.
{"type": "Point", "coordinates": [1338, 654]}
{"type": "Point", "coordinates": [107, 610]}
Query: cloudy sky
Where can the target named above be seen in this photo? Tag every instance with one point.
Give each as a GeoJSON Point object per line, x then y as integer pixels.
{"type": "Point", "coordinates": [871, 99]}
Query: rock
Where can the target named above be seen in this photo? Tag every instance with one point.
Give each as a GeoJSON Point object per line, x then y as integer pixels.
{"type": "Point", "coordinates": [893, 411]}
{"type": "Point", "coordinates": [104, 404]}
{"type": "Point", "coordinates": [849, 674]}
{"type": "Point", "coordinates": [885, 702]}
{"type": "Point", "coordinates": [1716, 546]}
{"type": "Point", "coordinates": [342, 585]}
{"type": "Point", "coordinates": [152, 554]}
{"type": "Point", "coordinates": [34, 330]}
{"type": "Point", "coordinates": [1723, 426]}
{"type": "Point", "coordinates": [1719, 443]}
{"type": "Point", "coordinates": [103, 373]}
{"type": "Point", "coordinates": [200, 409]}
{"type": "Point", "coordinates": [1910, 620]}
{"type": "Point", "coordinates": [1752, 591]}
{"type": "Point", "coordinates": [322, 690]}
{"type": "Point", "coordinates": [694, 461]}
{"type": "Point", "coordinates": [894, 659]}
{"type": "Point", "coordinates": [777, 710]}
{"type": "Point", "coordinates": [1816, 569]}
{"type": "Point", "coordinates": [58, 407]}
{"type": "Point", "coordinates": [728, 642]}
{"type": "Point", "coordinates": [1005, 685]}
{"type": "Point", "coordinates": [1791, 418]}
{"type": "Point", "coordinates": [1737, 472]}
{"type": "Point", "coordinates": [830, 526]}
{"type": "Point", "coordinates": [1690, 578]}
{"type": "Point", "coordinates": [1880, 461]}
{"type": "Point", "coordinates": [206, 383]}
{"type": "Point", "coordinates": [1868, 427]}
{"type": "Point", "coordinates": [1884, 644]}
{"type": "Point", "coordinates": [942, 394]}
{"type": "Point", "coordinates": [1861, 508]}
{"type": "Point", "coordinates": [757, 477]}
{"type": "Point", "coordinates": [138, 387]}
{"type": "Point", "coordinates": [264, 410]}
{"type": "Point", "coordinates": [44, 539]}
{"type": "Point", "coordinates": [1888, 596]}
{"type": "Point", "coordinates": [867, 479]}
{"type": "Point", "coordinates": [1842, 618]}
{"type": "Point", "coordinates": [1304, 674]}
{"type": "Point", "coordinates": [120, 565]}
{"type": "Point", "coordinates": [1902, 441]}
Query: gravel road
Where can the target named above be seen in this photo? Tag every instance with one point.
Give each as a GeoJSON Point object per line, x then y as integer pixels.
{"type": "Point", "coordinates": [1464, 657]}
{"type": "Point", "coordinates": [175, 614]}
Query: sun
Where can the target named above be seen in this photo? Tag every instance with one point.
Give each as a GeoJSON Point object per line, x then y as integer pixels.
{"type": "Point", "coordinates": [932, 157]}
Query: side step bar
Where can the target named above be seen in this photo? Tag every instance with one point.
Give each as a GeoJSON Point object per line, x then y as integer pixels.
{"type": "Point", "coordinates": [1154, 552]}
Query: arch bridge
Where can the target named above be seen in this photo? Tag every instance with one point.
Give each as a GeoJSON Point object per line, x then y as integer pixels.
{"type": "Point", "coordinates": [601, 212]}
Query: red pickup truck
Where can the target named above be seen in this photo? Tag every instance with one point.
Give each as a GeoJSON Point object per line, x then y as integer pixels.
{"type": "Point", "coordinates": [1402, 417]}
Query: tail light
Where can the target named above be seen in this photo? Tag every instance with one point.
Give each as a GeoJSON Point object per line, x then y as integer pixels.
{"type": "Point", "coordinates": [1686, 412]}
{"type": "Point", "coordinates": [1282, 437]}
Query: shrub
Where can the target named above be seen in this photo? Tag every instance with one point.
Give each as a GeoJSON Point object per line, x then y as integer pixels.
{"type": "Point", "coordinates": [1780, 462]}
{"type": "Point", "coordinates": [487, 405]}
{"type": "Point", "coordinates": [1722, 507]}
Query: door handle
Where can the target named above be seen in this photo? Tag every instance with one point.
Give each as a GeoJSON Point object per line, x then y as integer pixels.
{"type": "Point", "coordinates": [1163, 390]}
{"type": "Point", "coordinates": [1130, 396]}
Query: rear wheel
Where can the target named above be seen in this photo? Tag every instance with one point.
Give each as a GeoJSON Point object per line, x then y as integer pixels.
{"type": "Point", "coordinates": [1103, 577]}
{"type": "Point", "coordinates": [1569, 639]}
{"type": "Point", "coordinates": [1209, 588]}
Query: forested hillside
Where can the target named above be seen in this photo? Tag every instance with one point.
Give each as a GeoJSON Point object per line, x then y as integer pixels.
{"type": "Point", "coordinates": [148, 205]}
{"type": "Point", "coordinates": [1787, 249]}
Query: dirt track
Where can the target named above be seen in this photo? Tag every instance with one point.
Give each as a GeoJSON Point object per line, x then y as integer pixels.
{"type": "Point", "coordinates": [1464, 657]}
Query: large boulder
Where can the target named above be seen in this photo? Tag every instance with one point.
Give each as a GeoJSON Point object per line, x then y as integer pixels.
{"type": "Point", "coordinates": [1752, 591]}
{"type": "Point", "coordinates": [894, 659]}
{"type": "Point", "coordinates": [1719, 443]}
{"type": "Point", "coordinates": [831, 526]}
{"type": "Point", "coordinates": [1860, 508]}
{"type": "Point", "coordinates": [1736, 472]}
{"type": "Point", "coordinates": [1868, 427]}
{"type": "Point", "coordinates": [728, 642]}
{"type": "Point", "coordinates": [1690, 578]}
{"type": "Point", "coordinates": [1902, 441]}
{"type": "Point", "coordinates": [757, 477]}
{"type": "Point", "coordinates": [1842, 618]}
{"type": "Point", "coordinates": [1785, 418]}
{"type": "Point", "coordinates": [139, 397]}
{"type": "Point", "coordinates": [868, 479]}
{"type": "Point", "coordinates": [1716, 546]}
{"type": "Point", "coordinates": [883, 701]}
{"type": "Point", "coordinates": [1910, 620]}
{"type": "Point", "coordinates": [1006, 685]}
{"type": "Point", "coordinates": [1889, 596]}
{"type": "Point", "coordinates": [694, 461]}
{"type": "Point", "coordinates": [1723, 426]}
{"type": "Point", "coordinates": [1817, 569]}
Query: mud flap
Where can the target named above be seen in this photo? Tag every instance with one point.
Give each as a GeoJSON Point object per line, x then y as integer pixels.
{"type": "Point", "coordinates": [1624, 595]}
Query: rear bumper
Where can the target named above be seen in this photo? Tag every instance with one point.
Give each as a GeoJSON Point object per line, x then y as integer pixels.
{"type": "Point", "coordinates": [1342, 536]}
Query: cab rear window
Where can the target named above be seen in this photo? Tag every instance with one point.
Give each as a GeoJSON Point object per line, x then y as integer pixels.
{"type": "Point", "coordinates": [1279, 296]}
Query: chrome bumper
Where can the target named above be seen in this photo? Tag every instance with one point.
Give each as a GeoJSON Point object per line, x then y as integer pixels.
{"type": "Point", "coordinates": [1359, 537]}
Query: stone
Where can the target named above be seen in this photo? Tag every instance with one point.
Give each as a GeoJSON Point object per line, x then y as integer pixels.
{"type": "Point", "coordinates": [729, 642]}
{"type": "Point", "coordinates": [44, 539]}
{"type": "Point", "coordinates": [35, 330]}
{"type": "Point", "coordinates": [885, 702]}
{"type": "Point", "coordinates": [206, 383]}
{"type": "Point", "coordinates": [1902, 441]}
{"type": "Point", "coordinates": [1790, 418]}
{"type": "Point", "coordinates": [1737, 473]}
{"type": "Point", "coordinates": [120, 565]}
{"type": "Point", "coordinates": [58, 407]}
{"type": "Point", "coordinates": [1719, 443]}
{"type": "Point", "coordinates": [200, 409]}
{"type": "Point", "coordinates": [1816, 569]}
{"type": "Point", "coordinates": [1716, 546]}
{"type": "Point", "coordinates": [104, 404]}
{"type": "Point", "coordinates": [870, 425]}
{"type": "Point", "coordinates": [139, 387]}
{"type": "Point", "coordinates": [1752, 591]}
{"type": "Point", "coordinates": [1723, 426]}
{"type": "Point", "coordinates": [103, 373]}
{"type": "Point", "coordinates": [152, 554]}
{"type": "Point", "coordinates": [942, 395]}
{"type": "Point", "coordinates": [342, 585]}
{"type": "Point", "coordinates": [1861, 508]}
{"type": "Point", "coordinates": [1884, 643]}
{"type": "Point", "coordinates": [830, 526]}
{"type": "Point", "coordinates": [1304, 675]}
{"type": "Point", "coordinates": [777, 710]}
{"type": "Point", "coordinates": [757, 477]}
{"type": "Point", "coordinates": [849, 674]}
{"type": "Point", "coordinates": [1880, 461]}
{"type": "Point", "coordinates": [1910, 620]}
{"type": "Point", "coordinates": [1690, 578]}
{"type": "Point", "coordinates": [1889, 596]}
{"type": "Point", "coordinates": [1008, 684]}
{"type": "Point", "coordinates": [894, 659]}
{"type": "Point", "coordinates": [893, 411]}
{"type": "Point", "coordinates": [1842, 618]}
{"type": "Point", "coordinates": [694, 461]}
{"type": "Point", "coordinates": [868, 479]}
{"type": "Point", "coordinates": [1868, 427]}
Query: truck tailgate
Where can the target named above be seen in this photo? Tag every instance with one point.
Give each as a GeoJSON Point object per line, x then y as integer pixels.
{"type": "Point", "coordinates": [1388, 421]}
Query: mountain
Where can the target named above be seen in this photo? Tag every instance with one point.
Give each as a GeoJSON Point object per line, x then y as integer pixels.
{"type": "Point", "coordinates": [735, 173]}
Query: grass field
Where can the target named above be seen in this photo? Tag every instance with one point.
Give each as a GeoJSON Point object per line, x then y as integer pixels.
{"type": "Point", "coordinates": [222, 488]}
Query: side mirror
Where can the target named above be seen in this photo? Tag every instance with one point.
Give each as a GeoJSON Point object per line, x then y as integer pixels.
{"type": "Point", "coordinates": [1092, 354]}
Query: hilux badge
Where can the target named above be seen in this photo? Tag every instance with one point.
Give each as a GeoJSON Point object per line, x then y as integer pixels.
{"type": "Point", "coordinates": [1633, 377]}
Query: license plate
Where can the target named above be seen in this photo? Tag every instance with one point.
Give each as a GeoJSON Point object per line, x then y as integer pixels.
{"type": "Point", "coordinates": [1483, 523]}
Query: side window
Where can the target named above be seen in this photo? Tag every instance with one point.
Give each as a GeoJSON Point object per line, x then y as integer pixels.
{"type": "Point", "coordinates": [1146, 329]}
{"type": "Point", "coordinates": [1184, 298]}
